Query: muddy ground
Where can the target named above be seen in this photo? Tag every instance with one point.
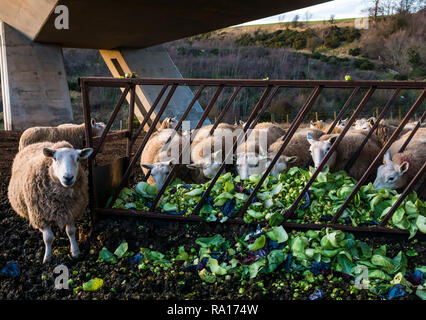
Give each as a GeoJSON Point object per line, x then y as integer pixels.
{"type": "Point", "coordinates": [22, 244]}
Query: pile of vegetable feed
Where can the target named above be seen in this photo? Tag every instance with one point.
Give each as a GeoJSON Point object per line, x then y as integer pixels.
{"type": "Point", "coordinates": [325, 196]}
{"type": "Point", "coordinates": [313, 257]}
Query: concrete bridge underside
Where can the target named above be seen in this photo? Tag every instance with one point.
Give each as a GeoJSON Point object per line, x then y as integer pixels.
{"type": "Point", "coordinates": [34, 83]}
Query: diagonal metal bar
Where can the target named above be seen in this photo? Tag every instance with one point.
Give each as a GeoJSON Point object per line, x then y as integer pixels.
{"type": "Point", "coordinates": [142, 146]}
{"type": "Point", "coordinates": [131, 117]}
{"type": "Point", "coordinates": [343, 110]}
{"type": "Point", "coordinates": [371, 131]}
{"type": "Point", "coordinates": [404, 194]}
{"type": "Point", "coordinates": [333, 147]}
{"type": "Point", "coordinates": [413, 132]}
{"type": "Point", "coordinates": [295, 124]}
{"type": "Point", "coordinates": [258, 109]}
{"type": "Point", "coordinates": [172, 173]}
{"type": "Point", "coordinates": [111, 120]}
{"type": "Point", "coordinates": [148, 115]}
{"type": "Point", "coordinates": [379, 157]}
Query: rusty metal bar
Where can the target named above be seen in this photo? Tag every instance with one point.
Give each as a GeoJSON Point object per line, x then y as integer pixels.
{"type": "Point", "coordinates": [110, 121]}
{"type": "Point", "coordinates": [295, 124]}
{"type": "Point", "coordinates": [379, 157]}
{"type": "Point", "coordinates": [89, 144]}
{"type": "Point", "coordinates": [148, 115]}
{"type": "Point", "coordinates": [290, 225]}
{"type": "Point", "coordinates": [371, 131]}
{"type": "Point", "coordinates": [131, 117]}
{"type": "Point", "coordinates": [343, 110]}
{"type": "Point", "coordinates": [225, 109]}
{"type": "Point", "coordinates": [333, 147]}
{"type": "Point", "coordinates": [404, 194]}
{"type": "Point", "coordinates": [222, 167]}
{"type": "Point", "coordinates": [172, 172]}
{"type": "Point", "coordinates": [114, 82]}
{"type": "Point", "coordinates": [144, 141]}
{"type": "Point", "coordinates": [413, 132]}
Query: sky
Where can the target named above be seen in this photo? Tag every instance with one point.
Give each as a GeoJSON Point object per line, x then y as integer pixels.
{"type": "Point", "coordinates": [341, 9]}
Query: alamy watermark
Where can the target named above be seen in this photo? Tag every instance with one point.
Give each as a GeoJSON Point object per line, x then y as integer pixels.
{"type": "Point", "coordinates": [62, 21]}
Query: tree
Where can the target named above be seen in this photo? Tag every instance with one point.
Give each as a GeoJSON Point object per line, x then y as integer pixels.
{"type": "Point", "coordinates": [308, 16]}
{"type": "Point", "coordinates": [331, 20]}
{"type": "Point", "coordinates": [295, 21]}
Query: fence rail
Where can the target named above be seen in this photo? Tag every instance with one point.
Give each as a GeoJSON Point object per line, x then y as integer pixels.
{"type": "Point", "coordinates": [270, 89]}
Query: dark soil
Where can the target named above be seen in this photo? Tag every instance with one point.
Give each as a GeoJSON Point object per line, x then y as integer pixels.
{"type": "Point", "coordinates": [22, 244]}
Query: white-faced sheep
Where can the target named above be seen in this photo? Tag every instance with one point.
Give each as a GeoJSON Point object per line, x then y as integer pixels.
{"type": "Point", "coordinates": [73, 133]}
{"type": "Point", "coordinates": [252, 154]}
{"type": "Point", "coordinates": [48, 186]}
{"type": "Point", "coordinates": [344, 152]}
{"type": "Point", "coordinates": [399, 168]}
{"type": "Point", "coordinates": [324, 127]}
{"type": "Point", "coordinates": [208, 152]}
{"type": "Point", "coordinates": [161, 150]}
{"type": "Point", "coordinates": [298, 146]}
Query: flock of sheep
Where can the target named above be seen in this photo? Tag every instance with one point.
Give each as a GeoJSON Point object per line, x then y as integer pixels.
{"type": "Point", "coordinates": [254, 154]}
{"type": "Point", "coordinates": [49, 185]}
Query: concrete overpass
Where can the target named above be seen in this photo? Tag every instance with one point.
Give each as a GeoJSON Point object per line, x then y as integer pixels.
{"type": "Point", "coordinates": [33, 32]}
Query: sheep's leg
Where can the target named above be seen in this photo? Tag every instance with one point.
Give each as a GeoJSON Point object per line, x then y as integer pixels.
{"type": "Point", "coordinates": [48, 238]}
{"type": "Point", "coordinates": [70, 230]}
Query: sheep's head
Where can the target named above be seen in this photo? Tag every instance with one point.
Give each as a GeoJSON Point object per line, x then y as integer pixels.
{"type": "Point", "coordinates": [97, 127]}
{"type": "Point", "coordinates": [65, 165]}
{"type": "Point", "coordinates": [281, 164]}
{"type": "Point", "coordinates": [364, 124]}
{"type": "Point", "coordinates": [159, 172]}
{"type": "Point", "coordinates": [208, 165]}
{"type": "Point", "coordinates": [169, 123]}
{"type": "Point", "coordinates": [390, 174]}
{"type": "Point", "coordinates": [319, 149]}
{"type": "Point", "coordinates": [317, 124]}
{"type": "Point", "coordinates": [342, 123]}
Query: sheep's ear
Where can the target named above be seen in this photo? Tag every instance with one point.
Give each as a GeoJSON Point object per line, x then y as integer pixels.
{"type": "Point", "coordinates": [49, 153]}
{"type": "Point", "coordinates": [147, 166]}
{"type": "Point", "coordinates": [85, 153]}
{"type": "Point", "coordinates": [404, 167]}
{"type": "Point", "coordinates": [312, 123]}
{"type": "Point", "coordinates": [332, 139]}
{"type": "Point", "coordinates": [291, 159]}
{"type": "Point", "coordinates": [93, 122]}
{"type": "Point", "coordinates": [387, 158]}
{"type": "Point", "coordinates": [310, 138]}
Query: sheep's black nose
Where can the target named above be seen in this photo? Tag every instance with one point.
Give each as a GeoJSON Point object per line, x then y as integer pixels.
{"type": "Point", "coordinates": [68, 178]}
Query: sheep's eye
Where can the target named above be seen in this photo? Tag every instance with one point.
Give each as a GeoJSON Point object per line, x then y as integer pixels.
{"type": "Point", "coordinates": [391, 179]}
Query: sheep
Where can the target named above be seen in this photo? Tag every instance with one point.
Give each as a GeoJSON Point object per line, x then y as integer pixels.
{"type": "Point", "coordinates": [73, 133]}
{"type": "Point", "coordinates": [321, 125]}
{"type": "Point", "coordinates": [159, 154]}
{"type": "Point", "coordinates": [208, 152]}
{"type": "Point", "coordinates": [383, 131]}
{"type": "Point", "coordinates": [298, 146]}
{"type": "Point", "coordinates": [252, 154]}
{"type": "Point", "coordinates": [345, 150]}
{"type": "Point", "coordinates": [400, 168]}
{"type": "Point", "coordinates": [48, 186]}
{"type": "Point", "coordinates": [168, 123]}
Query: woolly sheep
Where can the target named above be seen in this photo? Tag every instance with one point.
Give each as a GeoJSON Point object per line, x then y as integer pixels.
{"type": "Point", "coordinates": [344, 152]}
{"type": "Point", "coordinates": [208, 152]}
{"type": "Point", "coordinates": [168, 123]}
{"type": "Point", "coordinates": [324, 127]}
{"type": "Point", "coordinates": [48, 186]}
{"type": "Point", "coordinates": [73, 133]}
{"type": "Point", "coordinates": [159, 154]}
{"type": "Point", "coordinates": [252, 154]}
{"type": "Point", "coordinates": [400, 168]}
{"type": "Point", "coordinates": [298, 146]}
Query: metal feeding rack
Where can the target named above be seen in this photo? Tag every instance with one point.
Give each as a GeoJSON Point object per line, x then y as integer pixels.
{"type": "Point", "coordinates": [107, 181]}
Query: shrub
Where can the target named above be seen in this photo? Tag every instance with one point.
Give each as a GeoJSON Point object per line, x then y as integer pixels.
{"type": "Point", "coordinates": [355, 52]}
{"type": "Point", "coordinates": [400, 76]}
{"type": "Point", "coordinates": [363, 64]}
